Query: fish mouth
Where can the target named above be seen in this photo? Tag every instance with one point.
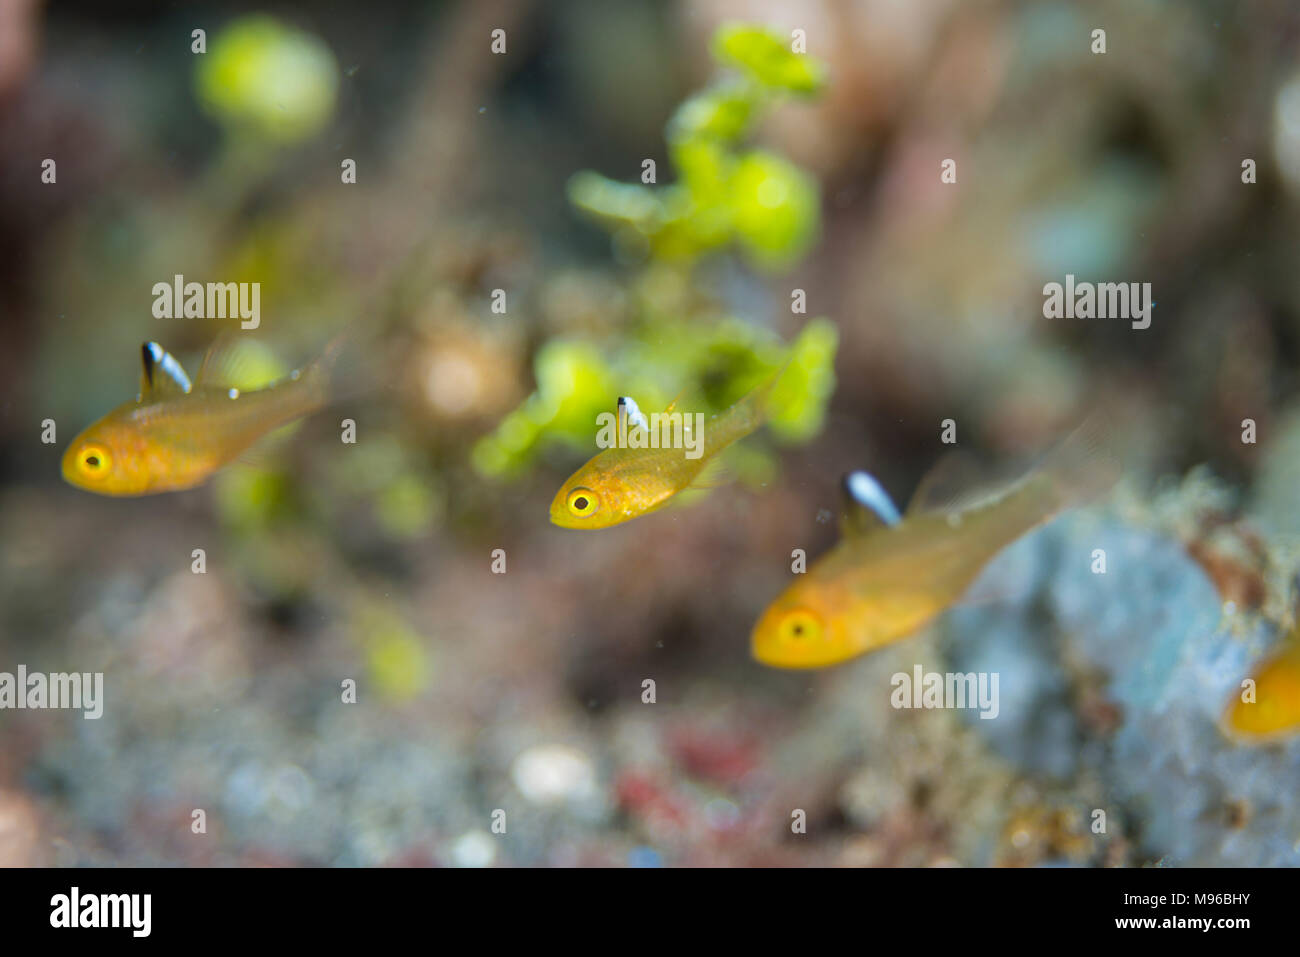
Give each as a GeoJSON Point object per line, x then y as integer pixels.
{"type": "Point", "coordinates": [68, 467]}
{"type": "Point", "coordinates": [762, 647]}
{"type": "Point", "coordinates": [559, 514]}
{"type": "Point", "coordinates": [560, 517]}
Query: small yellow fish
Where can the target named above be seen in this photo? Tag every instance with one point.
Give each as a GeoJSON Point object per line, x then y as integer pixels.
{"type": "Point", "coordinates": [1275, 712]}
{"type": "Point", "coordinates": [890, 576]}
{"type": "Point", "coordinates": [622, 483]}
{"type": "Point", "coordinates": [175, 435]}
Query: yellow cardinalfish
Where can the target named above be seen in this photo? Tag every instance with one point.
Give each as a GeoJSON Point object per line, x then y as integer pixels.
{"type": "Point", "coordinates": [1275, 710]}
{"type": "Point", "coordinates": [631, 479]}
{"type": "Point", "coordinates": [176, 434]}
{"type": "Point", "coordinates": [890, 574]}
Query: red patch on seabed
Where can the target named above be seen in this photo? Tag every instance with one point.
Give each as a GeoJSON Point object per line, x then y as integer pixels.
{"type": "Point", "coordinates": [642, 797]}
{"type": "Point", "coordinates": [720, 758]}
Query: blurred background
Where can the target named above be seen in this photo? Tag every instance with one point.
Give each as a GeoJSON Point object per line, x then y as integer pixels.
{"type": "Point", "coordinates": [774, 172]}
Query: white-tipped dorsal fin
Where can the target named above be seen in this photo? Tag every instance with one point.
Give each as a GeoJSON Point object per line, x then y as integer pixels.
{"type": "Point", "coordinates": [867, 506]}
{"type": "Point", "coordinates": [161, 373]}
{"type": "Point", "coordinates": [630, 412]}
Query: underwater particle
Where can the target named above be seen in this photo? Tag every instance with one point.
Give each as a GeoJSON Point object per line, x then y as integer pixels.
{"type": "Point", "coordinates": [474, 849]}
{"type": "Point", "coordinates": [553, 774]}
{"type": "Point", "coordinates": [272, 80]}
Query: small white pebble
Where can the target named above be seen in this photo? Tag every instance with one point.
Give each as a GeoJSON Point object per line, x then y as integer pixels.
{"type": "Point", "coordinates": [474, 849]}
{"type": "Point", "coordinates": [552, 773]}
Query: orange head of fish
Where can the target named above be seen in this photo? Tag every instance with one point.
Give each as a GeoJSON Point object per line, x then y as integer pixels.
{"type": "Point", "coordinates": [804, 629]}
{"type": "Point", "coordinates": [607, 491]}
{"type": "Point", "coordinates": [108, 458]}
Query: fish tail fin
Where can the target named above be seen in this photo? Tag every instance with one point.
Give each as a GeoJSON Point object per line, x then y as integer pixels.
{"type": "Point", "coordinates": [1085, 465]}
{"type": "Point", "coordinates": [795, 404]}
{"type": "Point", "coordinates": [339, 372]}
{"type": "Point", "coordinates": [772, 396]}
{"type": "Point", "coordinates": [746, 416]}
{"type": "Point", "coordinates": [760, 399]}
{"type": "Point", "coordinates": [763, 401]}
{"type": "Point", "coordinates": [318, 375]}
{"type": "Point", "coordinates": [1082, 467]}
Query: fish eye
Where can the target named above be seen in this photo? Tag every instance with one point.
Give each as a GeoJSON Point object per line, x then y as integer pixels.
{"type": "Point", "coordinates": [94, 459]}
{"type": "Point", "coordinates": [799, 627]}
{"type": "Point", "coordinates": [582, 502]}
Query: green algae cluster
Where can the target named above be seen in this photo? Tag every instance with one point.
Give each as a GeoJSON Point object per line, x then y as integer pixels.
{"type": "Point", "coordinates": [711, 365]}
{"type": "Point", "coordinates": [267, 79]}
{"type": "Point", "coordinates": [728, 196]}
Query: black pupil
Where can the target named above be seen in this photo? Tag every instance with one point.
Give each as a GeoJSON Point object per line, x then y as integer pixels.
{"type": "Point", "coordinates": [798, 629]}
{"type": "Point", "coordinates": [92, 461]}
{"type": "Point", "coordinates": [580, 503]}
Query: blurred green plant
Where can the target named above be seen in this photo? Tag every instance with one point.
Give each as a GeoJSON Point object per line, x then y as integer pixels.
{"type": "Point", "coordinates": [395, 654]}
{"type": "Point", "coordinates": [726, 194]}
{"type": "Point", "coordinates": [268, 80]}
{"type": "Point", "coordinates": [714, 364]}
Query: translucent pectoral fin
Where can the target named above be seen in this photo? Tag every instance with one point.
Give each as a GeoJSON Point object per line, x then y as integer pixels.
{"type": "Point", "coordinates": [714, 475]}
{"type": "Point", "coordinates": [263, 453]}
